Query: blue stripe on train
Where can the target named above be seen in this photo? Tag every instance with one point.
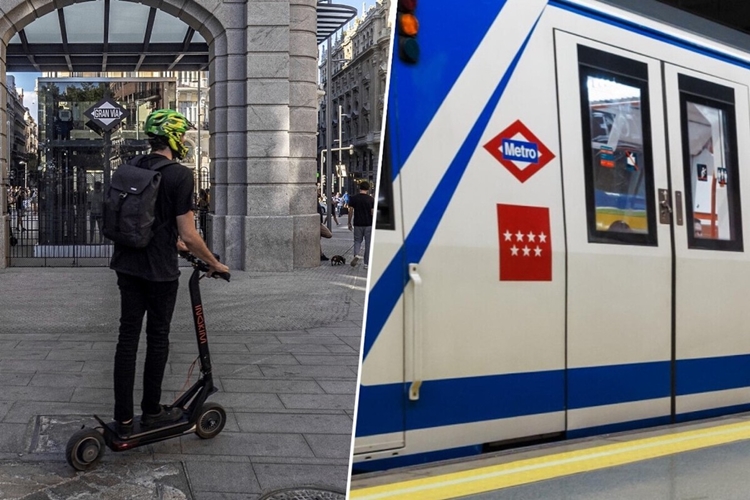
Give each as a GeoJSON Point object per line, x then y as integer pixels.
{"type": "Point", "coordinates": [440, 64]}
{"type": "Point", "coordinates": [458, 401]}
{"type": "Point", "coordinates": [695, 376]}
{"type": "Point", "coordinates": [385, 408]}
{"type": "Point", "coordinates": [385, 294]}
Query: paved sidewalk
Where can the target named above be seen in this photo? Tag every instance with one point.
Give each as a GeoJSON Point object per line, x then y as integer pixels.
{"type": "Point", "coordinates": [285, 352]}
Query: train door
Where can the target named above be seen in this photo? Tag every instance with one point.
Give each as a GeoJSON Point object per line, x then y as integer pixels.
{"type": "Point", "coordinates": [712, 272]}
{"type": "Point", "coordinates": [614, 161]}
{"type": "Point", "coordinates": [381, 407]}
{"type": "Point", "coordinates": [652, 184]}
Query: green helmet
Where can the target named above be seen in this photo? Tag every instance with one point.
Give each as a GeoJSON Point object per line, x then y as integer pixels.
{"type": "Point", "coordinates": [171, 125]}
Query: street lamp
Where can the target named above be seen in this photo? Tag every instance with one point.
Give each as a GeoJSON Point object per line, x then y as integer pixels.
{"type": "Point", "coordinates": [329, 140]}
{"type": "Point", "coordinates": [350, 148]}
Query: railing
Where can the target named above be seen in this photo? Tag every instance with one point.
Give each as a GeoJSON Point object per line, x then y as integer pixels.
{"type": "Point", "coordinates": [69, 238]}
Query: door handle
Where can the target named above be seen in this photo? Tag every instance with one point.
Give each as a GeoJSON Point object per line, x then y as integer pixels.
{"type": "Point", "coordinates": [665, 207]}
{"type": "Point", "coordinates": [416, 333]}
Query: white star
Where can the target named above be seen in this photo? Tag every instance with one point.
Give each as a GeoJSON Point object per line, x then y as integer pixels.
{"type": "Point", "coordinates": [519, 236]}
{"type": "Point", "coordinates": [507, 235]}
{"type": "Point", "coordinates": [526, 251]}
{"type": "Point", "coordinates": [514, 250]}
{"type": "Point", "coordinates": [542, 238]}
{"type": "Point", "coordinates": [532, 237]}
{"type": "Point", "coordinates": [537, 252]}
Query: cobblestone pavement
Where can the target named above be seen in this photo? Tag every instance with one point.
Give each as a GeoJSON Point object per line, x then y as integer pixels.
{"type": "Point", "coordinates": [285, 353]}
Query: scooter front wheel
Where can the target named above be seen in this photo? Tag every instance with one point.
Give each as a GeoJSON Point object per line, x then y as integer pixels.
{"type": "Point", "coordinates": [211, 420]}
{"type": "Point", "coordinates": [85, 448]}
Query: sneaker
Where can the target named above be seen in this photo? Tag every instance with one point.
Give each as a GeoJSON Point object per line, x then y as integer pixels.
{"type": "Point", "coordinates": [165, 416]}
{"type": "Point", "coordinates": [355, 260]}
{"type": "Point", "coordinates": [124, 429]}
{"type": "Point", "coordinates": [365, 266]}
{"type": "Point", "coordinates": [323, 257]}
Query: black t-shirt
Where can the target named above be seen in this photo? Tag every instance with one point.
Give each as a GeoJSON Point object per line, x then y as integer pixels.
{"type": "Point", "coordinates": [158, 260]}
{"type": "Point", "coordinates": [362, 205]}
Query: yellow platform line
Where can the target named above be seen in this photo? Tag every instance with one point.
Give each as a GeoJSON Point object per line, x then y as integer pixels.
{"type": "Point", "coordinates": [496, 477]}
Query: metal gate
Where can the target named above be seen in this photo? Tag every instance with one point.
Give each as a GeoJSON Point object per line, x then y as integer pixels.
{"type": "Point", "coordinates": [57, 222]}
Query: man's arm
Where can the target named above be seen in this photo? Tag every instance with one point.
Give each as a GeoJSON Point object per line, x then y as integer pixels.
{"type": "Point", "coordinates": [351, 215]}
{"type": "Point", "coordinates": [195, 244]}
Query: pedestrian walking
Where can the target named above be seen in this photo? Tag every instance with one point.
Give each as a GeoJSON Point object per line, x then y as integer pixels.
{"type": "Point", "coordinates": [361, 208]}
{"type": "Point", "coordinates": [334, 209]}
{"type": "Point", "coordinates": [20, 209]}
{"type": "Point", "coordinates": [96, 210]}
{"type": "Point", "coordinates": [203, 207]}
{"type": "Point", "coordinates": [148, 277]}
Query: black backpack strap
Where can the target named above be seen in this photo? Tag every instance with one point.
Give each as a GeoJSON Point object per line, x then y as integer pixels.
{"type": "Point", "coordinates": [135, 160]}
{"type": "Point", "coordinates": [156, 166]}
{"type": "Point", "coordinates": [161, 163]}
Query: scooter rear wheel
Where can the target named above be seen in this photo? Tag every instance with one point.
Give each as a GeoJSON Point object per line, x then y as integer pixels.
{"type": "Point", "coordinates": [85, 448]}
{"type": "Point", "coordinates": [211, 420]}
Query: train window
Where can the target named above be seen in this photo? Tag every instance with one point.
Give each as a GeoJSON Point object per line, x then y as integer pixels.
{"type": "Point", "coordinates": [617, 149]}
{"type": "Point", "coordinates": [710, 165]}
{"type": "Point", "coordinates": [385, 217]}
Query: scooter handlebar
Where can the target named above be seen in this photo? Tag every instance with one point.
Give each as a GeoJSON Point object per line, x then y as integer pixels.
{"type": "Point", "coordinates": [202, 266]}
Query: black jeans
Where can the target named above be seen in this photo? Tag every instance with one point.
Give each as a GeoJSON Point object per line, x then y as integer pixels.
{"type": "Point", "coordinates": [157, 300]}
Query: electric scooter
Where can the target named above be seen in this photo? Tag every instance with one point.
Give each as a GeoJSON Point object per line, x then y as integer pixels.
{"type": "Point", "coordinates": [86, 447]}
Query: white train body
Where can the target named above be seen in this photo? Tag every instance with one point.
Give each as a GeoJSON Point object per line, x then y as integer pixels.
{"type": "Point", "coordinates": [560, 246]}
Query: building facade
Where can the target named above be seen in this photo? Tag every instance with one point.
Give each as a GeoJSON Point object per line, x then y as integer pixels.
{"type": "Point", "coordinates": [358, 81]}
{"type": "Point", "coordinates": [22, 138]}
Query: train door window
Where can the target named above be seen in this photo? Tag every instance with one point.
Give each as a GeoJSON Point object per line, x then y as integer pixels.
{"type": "Point", "coordinates": [617, 148]}
{"type": "Point", "coordinates": [710, 165]}
{"type": "Point", "coordinates": [385, 217]}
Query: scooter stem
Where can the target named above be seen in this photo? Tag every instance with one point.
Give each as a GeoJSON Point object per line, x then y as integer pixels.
{"type": "Point", "coordinates": [200, 324]}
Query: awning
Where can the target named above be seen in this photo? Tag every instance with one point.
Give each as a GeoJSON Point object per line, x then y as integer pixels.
{"type": "Point", "coordinates": [332, 17]}
{"type": "Point", "coordinates": [119, 35]}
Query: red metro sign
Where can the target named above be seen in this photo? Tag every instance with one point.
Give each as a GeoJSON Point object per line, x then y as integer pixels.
{"type": "Point", "coordinates": [519, 151]}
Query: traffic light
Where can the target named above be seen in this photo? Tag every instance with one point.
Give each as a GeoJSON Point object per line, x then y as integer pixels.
{"type": "Point", "coordinates": [408, 27]}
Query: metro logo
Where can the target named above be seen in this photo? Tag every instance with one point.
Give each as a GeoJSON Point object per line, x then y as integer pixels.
{"type": "Point", "coordinates": [519, 151]}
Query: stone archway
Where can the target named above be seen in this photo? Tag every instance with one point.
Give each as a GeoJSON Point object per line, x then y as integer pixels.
{"type": "Point", "coordinates": [263, 115]}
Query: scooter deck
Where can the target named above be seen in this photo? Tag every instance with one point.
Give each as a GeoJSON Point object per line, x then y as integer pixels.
{"type": "Point", "coordinates": [141, 432]}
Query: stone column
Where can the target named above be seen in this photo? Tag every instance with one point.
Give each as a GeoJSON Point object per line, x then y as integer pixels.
{"type": "Point", "coordinates": [303, 112]}
{"type": "Point", "coordinates": [263, 70]}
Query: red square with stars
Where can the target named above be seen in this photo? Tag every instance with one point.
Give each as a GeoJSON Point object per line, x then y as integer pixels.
{"type": "Point", "coordinates": [525, 243]}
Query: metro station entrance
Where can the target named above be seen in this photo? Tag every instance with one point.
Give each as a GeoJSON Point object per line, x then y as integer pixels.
{"type": "Point", "coordinates": [59, 222]}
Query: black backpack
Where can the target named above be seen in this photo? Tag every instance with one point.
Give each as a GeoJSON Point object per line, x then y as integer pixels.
{"type": "Point", "coordinates": [130, 203]}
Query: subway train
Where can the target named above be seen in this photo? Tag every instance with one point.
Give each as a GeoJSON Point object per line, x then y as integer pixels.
{"type": "Point", "coordinates": [559, 246]}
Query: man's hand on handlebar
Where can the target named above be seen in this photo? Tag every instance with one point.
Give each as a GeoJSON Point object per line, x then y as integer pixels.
{"type": "Point", "coordinates": [218, 268]}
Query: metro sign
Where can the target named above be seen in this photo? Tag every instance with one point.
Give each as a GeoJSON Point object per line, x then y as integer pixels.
{"type": "Point", "coordinates": [519, 151]}
{"type": "Point", "coordinates": [107, 114]}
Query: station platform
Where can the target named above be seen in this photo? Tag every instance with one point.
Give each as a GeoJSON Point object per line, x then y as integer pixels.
{"type": "Point", "coordinates": [704, 460]}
